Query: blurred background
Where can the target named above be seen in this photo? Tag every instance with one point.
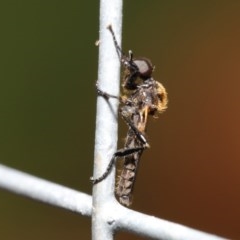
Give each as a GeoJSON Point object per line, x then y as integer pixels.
{"type": "Point", "coordinates": [47, 107]}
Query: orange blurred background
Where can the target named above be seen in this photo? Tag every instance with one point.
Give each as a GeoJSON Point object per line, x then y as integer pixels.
{"type": "Point", "coordinates": [190, 175]}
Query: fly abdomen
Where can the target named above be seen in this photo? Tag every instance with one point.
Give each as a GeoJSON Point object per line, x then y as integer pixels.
{"type": "Point", "coordinates": [127, 178]}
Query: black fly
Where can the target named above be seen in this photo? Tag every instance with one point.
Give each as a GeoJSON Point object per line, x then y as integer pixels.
{"type": "Point", "coordinates": [143, 96]}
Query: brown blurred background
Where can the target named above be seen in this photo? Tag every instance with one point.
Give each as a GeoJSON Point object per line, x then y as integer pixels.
{"type": "Point", "coordinates": [47, 105]}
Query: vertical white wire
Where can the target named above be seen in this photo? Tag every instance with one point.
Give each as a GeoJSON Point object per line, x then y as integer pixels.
{"type": "Point", "coordinates": [106, 121]}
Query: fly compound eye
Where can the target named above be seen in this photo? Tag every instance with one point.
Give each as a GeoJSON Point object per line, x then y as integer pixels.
{"type": "Point", "coordinates": [145, 68]}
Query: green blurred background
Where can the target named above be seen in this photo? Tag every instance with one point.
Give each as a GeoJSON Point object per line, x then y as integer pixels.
{"type": "Point", "coordinates": [47, 106]}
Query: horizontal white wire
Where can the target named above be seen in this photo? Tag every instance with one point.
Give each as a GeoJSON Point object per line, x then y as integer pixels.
{"type": "Point", "coordinates": [44, 191]}
{"type": "Point", "coordinates": [116, 216]}
{"type": "Point", "coordinates": [156, 228]}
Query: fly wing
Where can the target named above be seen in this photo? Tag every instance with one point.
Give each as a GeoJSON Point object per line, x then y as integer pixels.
{"type": "Point", "coordinates": [127, 177]}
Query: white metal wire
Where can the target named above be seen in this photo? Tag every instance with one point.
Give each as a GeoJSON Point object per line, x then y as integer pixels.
{"type": "Point", "coordinates": [114, 216]}
{"type": "Point", "coordinates": [106, 118]}
{"type": "Point", "coordinates": [44, 191]}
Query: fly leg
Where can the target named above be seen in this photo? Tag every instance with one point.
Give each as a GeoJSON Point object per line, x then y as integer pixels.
{"type": "Point", "coordinates": [124, 152]}
{"type": "Point", "coordinates": [138, 134]}
{"type": "Point", "coordinates": [104, 94]}
{"type": "Point", "coordinates": [119, 154]}
{"type": "Point", "coordinates": [124, 115]}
